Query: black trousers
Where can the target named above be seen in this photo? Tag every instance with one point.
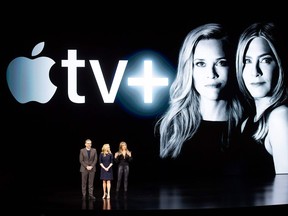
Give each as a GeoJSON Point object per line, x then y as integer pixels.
{"type": "Point", "coordinates": [123, 171]}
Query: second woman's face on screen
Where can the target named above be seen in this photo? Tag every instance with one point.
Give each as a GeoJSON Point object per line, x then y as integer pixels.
{"type": "Point", "coordinates": [211, 68]}
{"type": "Point", "coordinates": [259, 68]}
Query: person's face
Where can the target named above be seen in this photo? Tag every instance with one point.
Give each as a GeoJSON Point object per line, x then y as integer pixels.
{"type": "Point", "coordinates": [259, 68]}
{"type": "Point", "coordinates": [210, 69]}
{"type": "Point", "coordinates": [88, 144]}
{"type": "Point", "coordinates": [123, 147]}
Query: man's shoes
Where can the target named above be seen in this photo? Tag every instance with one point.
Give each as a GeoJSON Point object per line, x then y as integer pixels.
{"type": "Point", "coordinates": [92, 197]}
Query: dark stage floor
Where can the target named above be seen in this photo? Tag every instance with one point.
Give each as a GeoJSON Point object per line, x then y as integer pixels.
{"type": "Point", "coordinates": [223, 195]}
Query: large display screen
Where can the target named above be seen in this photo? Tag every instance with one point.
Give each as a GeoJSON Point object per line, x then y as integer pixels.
{"type": "Point", "coordinates": [60, 86]}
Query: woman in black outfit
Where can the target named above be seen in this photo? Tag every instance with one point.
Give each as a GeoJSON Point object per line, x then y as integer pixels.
{"type": "Point", "coordinates": [123, 157]}
{"type": "Point", "coordinates": [202, 123]}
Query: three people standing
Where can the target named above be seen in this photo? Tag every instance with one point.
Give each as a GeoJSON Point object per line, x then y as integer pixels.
{"type": "Point", "coordinates": [88, 159]}
{"type": "Point", "coordinates": [206, 115]}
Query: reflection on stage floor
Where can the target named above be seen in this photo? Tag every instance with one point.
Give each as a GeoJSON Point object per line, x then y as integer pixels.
{"type": "Point", "coordinates": [224, 194]}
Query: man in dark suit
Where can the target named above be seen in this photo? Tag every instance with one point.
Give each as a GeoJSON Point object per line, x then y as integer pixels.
{"type": "Point", "coordinates": [88, 159]}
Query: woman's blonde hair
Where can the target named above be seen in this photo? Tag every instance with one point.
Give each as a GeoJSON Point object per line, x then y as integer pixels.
{"type": "Point", "coordinates": [122, 143]}
{"type": "Point", "coordinates": [106, 149]}
{"type": "Point", "coordinates": [182, 118]}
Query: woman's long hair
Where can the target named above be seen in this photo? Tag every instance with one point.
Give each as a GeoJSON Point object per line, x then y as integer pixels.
{"type": "Point", "coordinates": [121, 144]}
{"type": "Point", "coordinates": [182, 119]}
{"type": "Point", "coordinates": [105, 149]}
{"type": "Point", "coordinates": [270, 33]}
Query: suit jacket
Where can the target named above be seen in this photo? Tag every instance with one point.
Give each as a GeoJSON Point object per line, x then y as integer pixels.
{"type": "Point", "coordinates": [86, 161]}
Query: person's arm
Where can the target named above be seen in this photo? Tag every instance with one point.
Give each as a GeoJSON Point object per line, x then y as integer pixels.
{"type": "Point", "coordinates": [81, 159]}
{"type": "Point", "coordinates": [111, 162]}
{"type": "Point", "coordinates": [129, 154]}
{"type": "Point", "coordinates": [102, 165]}
{"type": "Point", "coordinates": [278, 138]}
{"type": "Point", "coordinates": [116, 157]}
{"type": "Point", "coordinates": [101, 162]}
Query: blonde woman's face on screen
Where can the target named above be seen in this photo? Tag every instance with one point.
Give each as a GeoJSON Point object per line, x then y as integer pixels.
{"type": "Point", "coordinates": [211, 69]}
{"type": "Point", "coordinates": [259, 68]}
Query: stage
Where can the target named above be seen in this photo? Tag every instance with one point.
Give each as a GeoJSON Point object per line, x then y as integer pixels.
{"type": "Point", "coordinates": [218, 196]}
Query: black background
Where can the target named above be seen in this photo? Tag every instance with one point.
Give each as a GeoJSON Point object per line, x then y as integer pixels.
{"type": "Point", "coordinates": [41, 142]}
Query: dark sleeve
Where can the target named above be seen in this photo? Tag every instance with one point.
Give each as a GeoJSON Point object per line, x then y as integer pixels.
{"type": "Point", "coordinates": [117, 159]}
{"type": "Point", "coordinates": [129, 159]}
{"type": "Point", "coordinates": [100, 158]}
{"type": "Point", "coordinates": [81, 158]}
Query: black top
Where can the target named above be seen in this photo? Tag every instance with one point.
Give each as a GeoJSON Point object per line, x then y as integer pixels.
{"type": "Point", "coordinates": [121, 160]}
{"type": "Point", "coordinates": [88, 152]}
{"type": "Point", "coordinates": [256, 160]}
{"type": "Point", "coordinates": [205, 154]}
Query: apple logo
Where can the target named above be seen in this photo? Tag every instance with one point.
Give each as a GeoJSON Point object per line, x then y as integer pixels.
{"type": "Point", "coordinates": [28, 79]}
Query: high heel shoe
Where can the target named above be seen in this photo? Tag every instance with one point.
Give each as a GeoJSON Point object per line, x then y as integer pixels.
{"type": "Point", "coordinates": [108, 196]}
{"type": "Point", "coordinates": [104, 196]}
